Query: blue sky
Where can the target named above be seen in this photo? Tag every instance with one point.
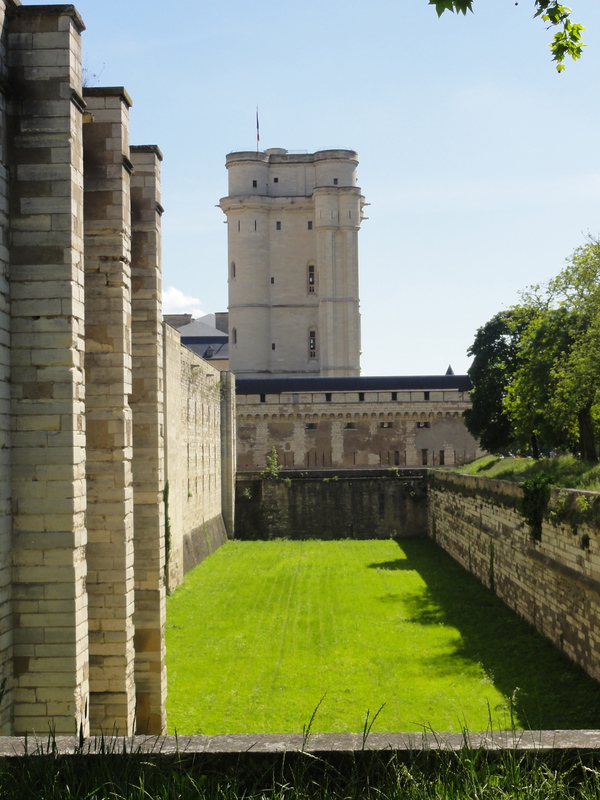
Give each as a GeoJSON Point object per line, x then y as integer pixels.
{"type": "Point", "coordinates": [480, 162]}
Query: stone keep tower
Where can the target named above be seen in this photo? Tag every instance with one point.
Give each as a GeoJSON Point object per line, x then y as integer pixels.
{"type": "Point", "coordinates": [293, 222]}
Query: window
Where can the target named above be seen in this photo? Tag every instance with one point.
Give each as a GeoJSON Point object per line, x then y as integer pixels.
{"type": "Point", "coordinates": [234, 336]}
{"type": "Point", "coordinates": [386, 424]}
{"type": "Point", "coordinates": [239, 226]}
{"type": "Point", "coordinates": [350, 426]}
{"type": "Point", "coordinates": [311, 426]}
{"type": "Point", "coordinates": [233, 269]}
{"type": "Point", "coordinates": [272, 280]}
{"type": "Point", "coordinates": [311, 278]}
{"type": "Point", "coordinates": [312, 344]}
{"type": "Point", "coordinates": [425, 395]}
{"type": "Point", "coordinates": [335, 181]}
{"type": "Point", "coordinates": [361, 397]}
{"type": "Point", "coordinates": [396, 458]}
{"type": "Point", "coordinates": [442, 458]}
{"type": "Point", "coordinates": [275, 180]}
{"type": "Point", "coordinates": [254, 184]}
{"type": "Point", "coordinates": [328, 397]}
{"type": "Point", "coordinates": [278, 225]}
{"type": "Point", "coordinates": [272, 345]}
{"type": "Point", "coordinates": [424, 457]}
{"type": "Point", "coordinates": [394, 395]}
{"type": "Point", "coordinates": [254, 224]}
{"type": "Point", "coordinates": [263, 398]}
{"type": "Point", "coordinates": [423, 424]}
{"type": "Point", "coordinates": [310, 224]}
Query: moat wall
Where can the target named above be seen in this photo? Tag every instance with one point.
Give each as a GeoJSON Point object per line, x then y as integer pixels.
{"type": "Point", "coordinates": [345, 504]}
{"type": "Point", "coordinates": [554, 583]}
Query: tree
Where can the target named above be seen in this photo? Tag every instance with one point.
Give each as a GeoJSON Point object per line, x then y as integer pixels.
{"type": "Point", "coordinates": [567, 40]}
{"type": "Point", "coordinates": [495, 361]}
{"type": "Point", "coordinates": [555, 393]}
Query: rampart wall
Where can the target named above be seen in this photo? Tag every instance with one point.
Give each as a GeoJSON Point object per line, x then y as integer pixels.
{"type": "Point", "coordinates": [83, 540]}
{"type": "Point", "coordinates": [554, 582]}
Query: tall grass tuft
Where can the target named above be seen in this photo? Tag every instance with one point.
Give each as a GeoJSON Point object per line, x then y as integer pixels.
{"type": "Point", "coordinates": [120, 774]}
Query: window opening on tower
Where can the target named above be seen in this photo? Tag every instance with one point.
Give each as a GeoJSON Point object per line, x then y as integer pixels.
{"type": "Point", "coordinates": [312, 344]}
{"type": "Point", "coordinates": [311, 278]}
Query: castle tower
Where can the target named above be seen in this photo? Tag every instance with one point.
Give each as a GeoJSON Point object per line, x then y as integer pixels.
{"type": "Point", "coordinates": [293, 222]}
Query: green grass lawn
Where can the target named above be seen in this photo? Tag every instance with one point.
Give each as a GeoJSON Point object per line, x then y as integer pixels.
{"type": "Point", "coordinates": [262, 632]}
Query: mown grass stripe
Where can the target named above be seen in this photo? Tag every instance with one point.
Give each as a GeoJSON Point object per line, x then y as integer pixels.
{"type": "Point", "coordinates": [261, 631]}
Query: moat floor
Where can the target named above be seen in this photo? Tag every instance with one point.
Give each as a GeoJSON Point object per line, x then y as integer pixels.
{"type": "Point", "coordinates": [285, 635]}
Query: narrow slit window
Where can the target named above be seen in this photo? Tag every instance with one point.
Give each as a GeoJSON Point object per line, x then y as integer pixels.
{"type": "Point", "coordinates": [311, 278]}
{"type": "Point", "coordinates": [442, 458]}
{"type": "Point", "coordinates": [424, 457]}
{"type": "Point", "coordinates": [272, 280]}
{"type": "Point", "coordinates": [234, 336]}
{"type": "Point", "coordinates": [233, 269]}
{"type": "Point", "coordinates": [254, 224]}
{"type": "Point", "coordinates": [272, 345]}
{"type": "Point", "coordinates": [312, 344]}
{"type": "Point", "coordinates": [239, 226]}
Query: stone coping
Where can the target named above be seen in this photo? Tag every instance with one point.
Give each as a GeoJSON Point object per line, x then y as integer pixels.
{"type": "Point", "coordinates": [108, 91]}
{"type": "Point", "coordinates": [68, 10]}
{"type": "Point", "coordinates": [320, 744]}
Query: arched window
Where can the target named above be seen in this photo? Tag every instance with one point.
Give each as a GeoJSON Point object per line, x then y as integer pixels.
{"type": "Point", "coordinates": [234, 336]}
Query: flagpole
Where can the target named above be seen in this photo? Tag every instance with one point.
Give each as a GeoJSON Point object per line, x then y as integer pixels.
{"type": "Point", "coordinates": [257, 130]}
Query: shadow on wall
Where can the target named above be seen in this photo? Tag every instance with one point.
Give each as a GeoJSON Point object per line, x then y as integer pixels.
{"type": "Point", "coordinates": [549, 691]}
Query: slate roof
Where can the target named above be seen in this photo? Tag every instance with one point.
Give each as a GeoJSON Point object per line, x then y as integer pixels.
{"type": "Point", "coordinates": [197, 328]}
{"type": "Point", "coordinates": [383, 383]}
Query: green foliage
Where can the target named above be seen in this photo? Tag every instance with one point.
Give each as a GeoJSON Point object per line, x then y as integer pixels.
{"type": "Point", "coordinates": [273, 466]}
{"type": "Point", "coordinates": [536, 372]}
{"type": "Point", "coordinates": [495, 361]}
{"type": "Point", "coordinates": [567, 41]}
{"type": "Point", "coordinates": [534, 503]}
{"type": "Point", "coordinates": [358, 623]}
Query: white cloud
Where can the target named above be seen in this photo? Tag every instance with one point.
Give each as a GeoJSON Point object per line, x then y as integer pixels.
{"type": "Point", "coordinates": [176, 302]}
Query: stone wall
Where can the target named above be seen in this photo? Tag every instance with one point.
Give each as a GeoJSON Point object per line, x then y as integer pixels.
{"type": "Point", "coordinates": [554, 583]}
{"type": "Point", "coordinates": [82, 423]}
{"type": "Point", "coordinates": [351, 504]}
{"type": "Point", "coordinates": [193, 393]}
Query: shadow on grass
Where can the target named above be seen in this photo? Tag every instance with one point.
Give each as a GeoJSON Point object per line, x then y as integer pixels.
{"type": "Point", "coordinates": [549, 691]}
